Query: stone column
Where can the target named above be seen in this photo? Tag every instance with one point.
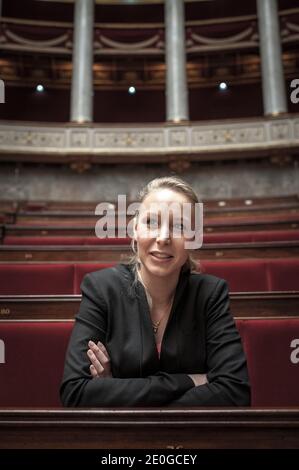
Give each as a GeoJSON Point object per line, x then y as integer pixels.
{"type": "Point", "coordinates": [274, 92]}
{"type": "Point", "coordinates": [176, 74]}
{"type": "Point", "coordinates": [82, 78]}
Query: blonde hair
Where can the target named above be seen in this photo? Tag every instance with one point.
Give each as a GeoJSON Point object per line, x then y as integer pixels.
{"type": "Point", "coordinates": [175, 184]}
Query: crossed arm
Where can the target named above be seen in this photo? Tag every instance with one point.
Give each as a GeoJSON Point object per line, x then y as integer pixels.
{"type": "Point", "coordinates": [100, 364]}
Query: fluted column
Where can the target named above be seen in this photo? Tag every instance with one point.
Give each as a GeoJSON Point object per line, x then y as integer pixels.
{"type": "Point", "coordinates": [82, 78]}
{"type": "Point", "coordinates": [176, 75]}
{"type": "Point", "coordinates": [274, 93]}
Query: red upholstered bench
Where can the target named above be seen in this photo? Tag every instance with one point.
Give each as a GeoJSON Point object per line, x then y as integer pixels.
{"type": "Point", "coordinates": [272, 351]}
{"type": "Point", "coordinates": [241, 275]}
{"type": "Point", "coordinates": [32, 361]}
{"type": "Point", "coordinates": [81, 269]}
{"type": "Point", "coordinates": [251, 236]}
{"type": "Point", "coordinates": [106, 241]}
{"type": "Point", "coordinates": [37, 240]}
{"type": "Point", "coordinates": [283, 274]}
{"type": "Point", "coordinates": [63, 240]}
{"type": "Point", "coordinates": [228, 237]}
{"type": "Point", "coordinates": [36, 279]}
{"type": "Point", "coordinates": [275, 235]}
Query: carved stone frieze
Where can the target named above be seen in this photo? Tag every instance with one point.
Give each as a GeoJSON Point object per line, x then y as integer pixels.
{"type": "Point", "coordinates": [149, 142]}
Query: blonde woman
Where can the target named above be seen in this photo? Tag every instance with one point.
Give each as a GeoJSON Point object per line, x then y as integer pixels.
{"type": "Point", "coordinates": [153, 331]}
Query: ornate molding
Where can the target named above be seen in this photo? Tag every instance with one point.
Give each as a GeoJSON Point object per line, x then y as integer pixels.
{"type": "Point", "coordinates": [213, 140]}
{"type": "Point", "coordinates": [55, 38]}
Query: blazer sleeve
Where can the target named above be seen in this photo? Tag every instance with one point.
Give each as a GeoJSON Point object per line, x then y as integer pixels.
{"type": "Point", "coordinates": [228, 383]}
{"type": "Point", "coordinates": [78, 388]}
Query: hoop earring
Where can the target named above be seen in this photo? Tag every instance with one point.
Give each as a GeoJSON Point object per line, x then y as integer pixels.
{"type": "Point", "coordinates": [133, 246]}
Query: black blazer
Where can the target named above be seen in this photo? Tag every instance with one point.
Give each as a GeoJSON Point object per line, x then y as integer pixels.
{"type": "Point", "coordinates": [200, 337]}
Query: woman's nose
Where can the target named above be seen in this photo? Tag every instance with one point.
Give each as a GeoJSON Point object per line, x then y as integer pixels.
{"type": "Point", "coordinates": [163, 235]}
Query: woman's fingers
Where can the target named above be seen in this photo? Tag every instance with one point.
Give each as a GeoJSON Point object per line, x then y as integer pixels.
{"type": "Point", "coordinates": [95, 362]}
{"type": "Point", "coordinates": [103, 349]}
{"type": "Point", "coordinates": [93, 371]}
{"type": "Point", "coordinates": [99, 359]}
{"type": "Point", "coordinates": [100, 352]}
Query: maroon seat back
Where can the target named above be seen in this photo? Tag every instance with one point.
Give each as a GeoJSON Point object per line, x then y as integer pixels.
{"type": "Point", "coordinates": [32, 359]}
{"type": "Point", "coordinates": [36, 279]}
{"type": "Point", "coordinates": [31, 362]}
{"type": "Point", "coordinates": [241, 275]}
{"type": "Point", "coordinates": [283, 274]}
{"type": "Point", "coordinates": [43, 240]}
{"type": "Point", "coordinates": [272, 350]}
{"type": "Point", "coordinates": [81, 269]}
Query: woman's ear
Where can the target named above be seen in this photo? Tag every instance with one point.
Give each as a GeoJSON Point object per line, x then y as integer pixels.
{"type": "Point", "coordinates": [135, 228]}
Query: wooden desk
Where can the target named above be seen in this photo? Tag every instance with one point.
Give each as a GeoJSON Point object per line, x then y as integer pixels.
{"type": "Point", "coordinates": [196, 428]}
{"type": "Point", "coordinates": [64, 307]}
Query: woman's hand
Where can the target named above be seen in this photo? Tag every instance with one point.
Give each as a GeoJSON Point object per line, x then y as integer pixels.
{"type": "Point", "coordinates": [100, 360]}
{"type": "Point", "coordinates": [199, 379]}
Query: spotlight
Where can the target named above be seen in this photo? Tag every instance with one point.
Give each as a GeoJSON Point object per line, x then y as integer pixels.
{"type": "Point", "coordinates": [40, 88]}
{"type": "Point", "coordinates": [132, 90]}
{"type": "Point", "coordinates": [222, 86]}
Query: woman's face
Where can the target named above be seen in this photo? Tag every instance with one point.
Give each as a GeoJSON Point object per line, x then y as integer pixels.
{"type": "Point", "coordinates": [160, 232]}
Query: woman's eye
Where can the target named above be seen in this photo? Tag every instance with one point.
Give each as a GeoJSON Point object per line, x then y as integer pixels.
{"type": "Point", "coordinates": [152, 222]}
{"type": "Point", "coordinates": [179, 226]}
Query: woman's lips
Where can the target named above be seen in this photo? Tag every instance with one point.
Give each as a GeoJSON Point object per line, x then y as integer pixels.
{"type": "Point", "coordinates": [161, 259]}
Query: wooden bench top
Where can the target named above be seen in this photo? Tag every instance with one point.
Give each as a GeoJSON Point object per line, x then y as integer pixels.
{"type": "Point", "coordinates": [64, 307]}
{"type": "Point", "coordinates": [144, 428]}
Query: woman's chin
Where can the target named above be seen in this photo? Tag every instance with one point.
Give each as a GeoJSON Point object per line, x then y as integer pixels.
{"type": "Point", "coordinates": [160, 269]}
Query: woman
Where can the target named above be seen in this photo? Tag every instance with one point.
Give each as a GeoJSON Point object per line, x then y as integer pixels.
{"type": "Point", "coordinates": [153, 332]}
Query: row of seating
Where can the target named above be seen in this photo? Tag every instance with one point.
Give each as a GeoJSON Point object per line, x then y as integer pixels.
{"type": "Point", "coordinates": [212, 220]}
{"type": "Point", "coordinates": [69, 228]}
{"type": "Point", "coordinates": [239, 203]}
{"type": "Point", "coordinates": [116, 253]}
{"type": "Point", "coordinates": [225, 237]}
{"type": "Point", "coordinates": [271, 347]}
{"type": "Point", "coordinates": [38, 217]}
{"type": "Point", "coordinates": [65, 278]}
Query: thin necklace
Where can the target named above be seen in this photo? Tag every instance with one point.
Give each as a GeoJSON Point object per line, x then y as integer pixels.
{"type": "Point", "coordinates": [155, 324]}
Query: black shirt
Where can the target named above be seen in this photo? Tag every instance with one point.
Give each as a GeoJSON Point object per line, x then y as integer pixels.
{"type": "Point", "coordinates": [200, 337]}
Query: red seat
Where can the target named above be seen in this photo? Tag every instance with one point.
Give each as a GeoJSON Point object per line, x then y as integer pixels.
{"type": "Point", "coordinates": [275, 235]}
{"type": "Point", "coordinates": [81, 269]}
{"type": "Point", "coordinates": [36, 279]}
{"type": "Point", "coordinates": [63, 240]}
{"type": "Point", "coordinates": [37, 240]}
{"type": "Point", "coordinates": [272, 350]}
{"type": "Point", "coordinates": [283, 274]}
{"type": "Point", "coordinates": [34, 359]}
{"type": "Point", "coordinates": [228, 237]}
{"type": "Point", "coordinates": [251, 236]}
{"type": "Point", "coordinates": [106, 241]}
{"type": "Point", "coordinates": [241, 275]}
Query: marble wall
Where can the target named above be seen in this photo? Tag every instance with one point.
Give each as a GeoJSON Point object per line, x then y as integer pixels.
{"type": "Point", "coordinates": [104, 182]}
